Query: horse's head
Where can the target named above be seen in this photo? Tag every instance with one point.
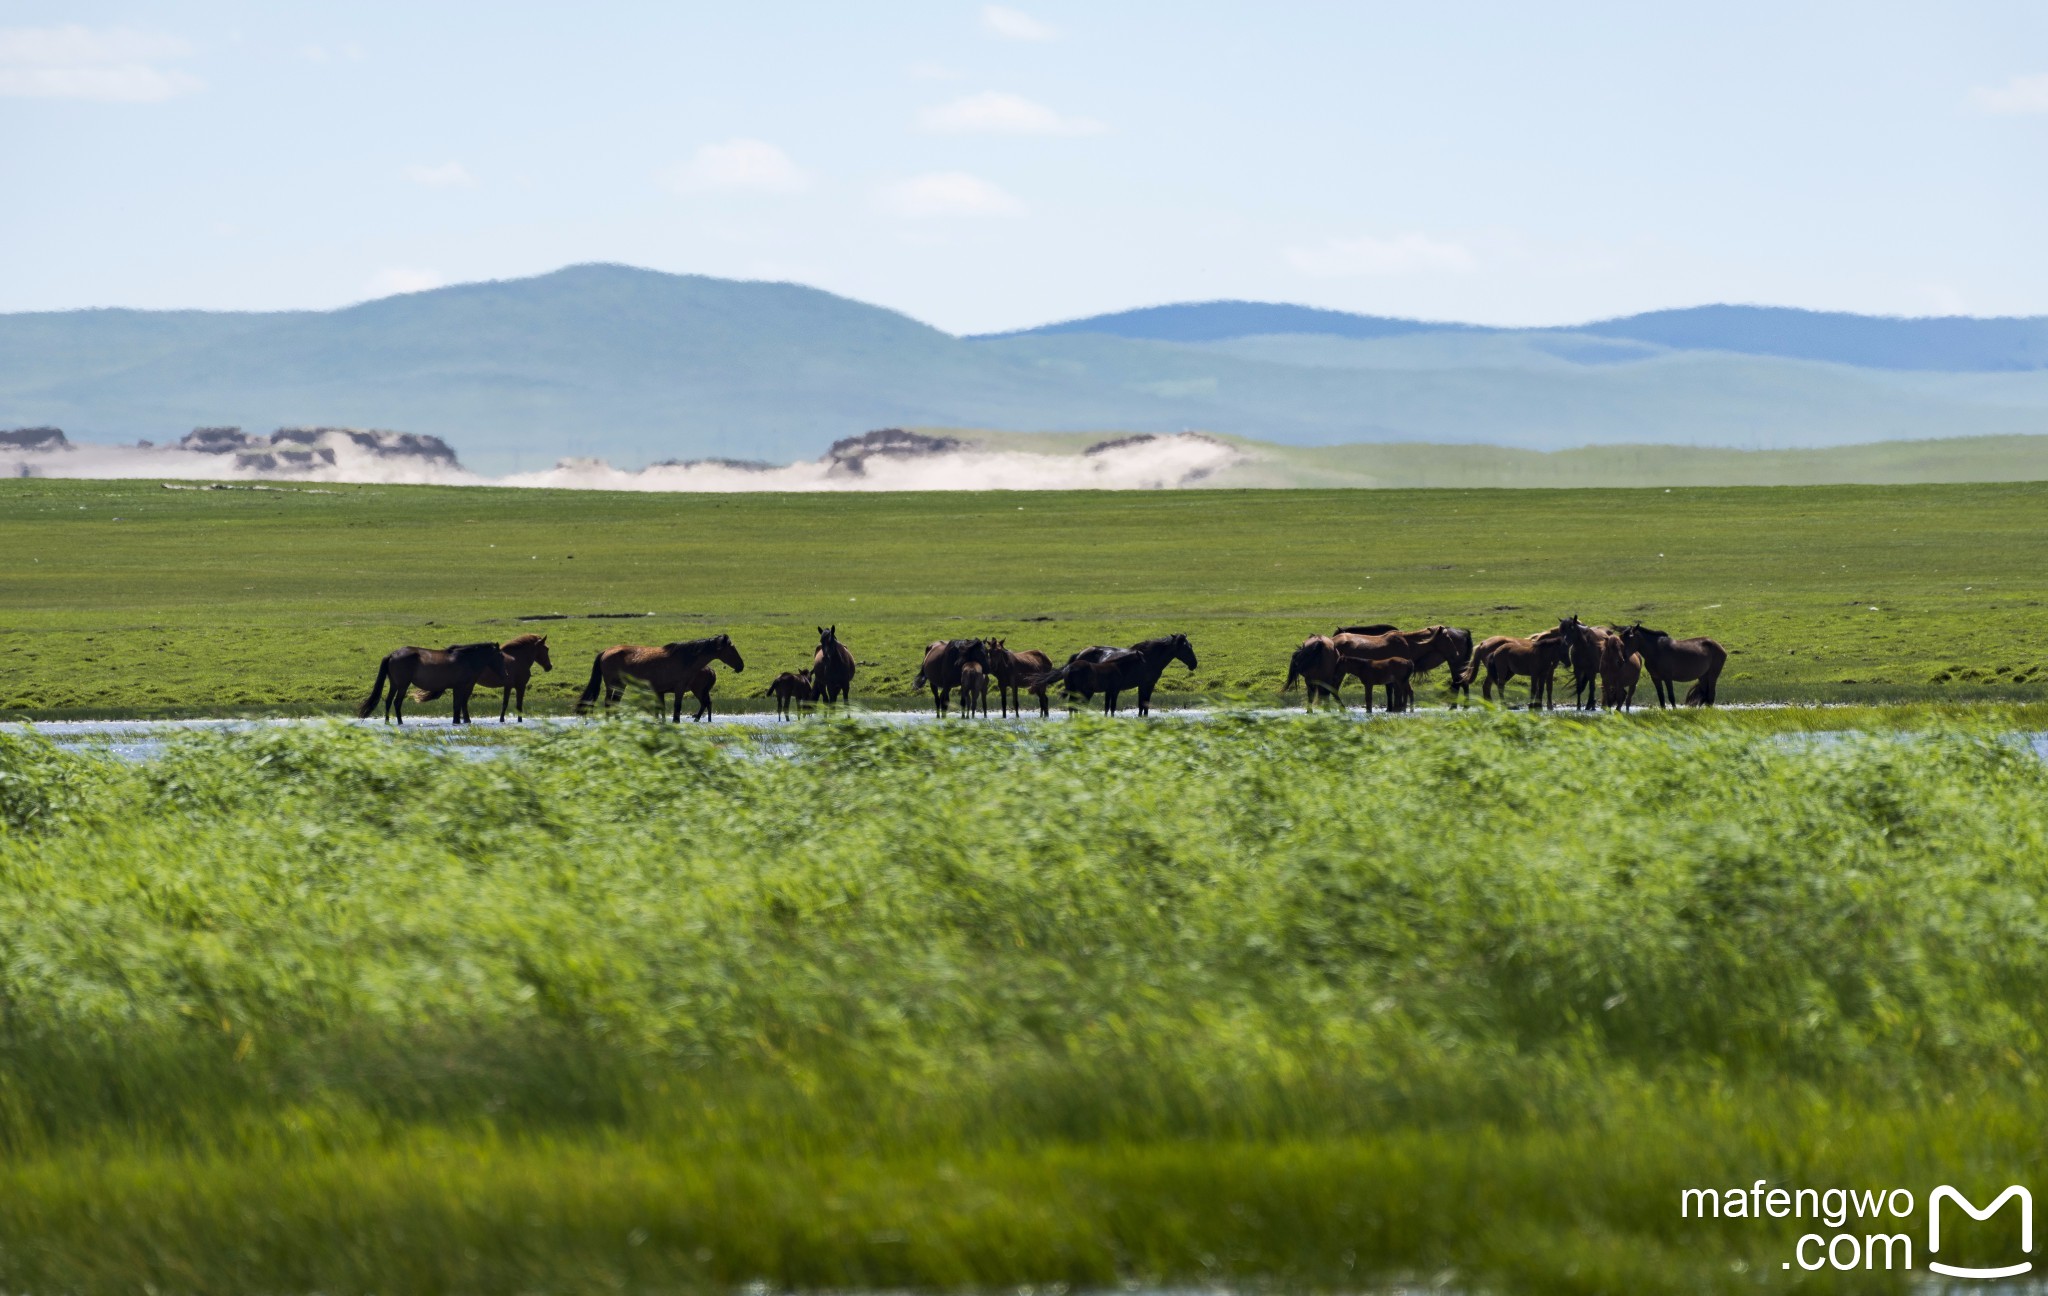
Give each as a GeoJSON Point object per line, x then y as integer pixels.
{"type": "Point", "coordinates": [540, 654]}
{"type": "Point", "coordinates": [723, 649]}
{"type": "Point", "coordinates": [973, 650]}
{"type": "Point", "coordinates": [1308, 657]}
{"type": "Point", "coordinates": [828, 636]}
{"type": "Point", "coordinates": [1183, 651]}
{"type": "Point", "coordinates": [1573, 629]}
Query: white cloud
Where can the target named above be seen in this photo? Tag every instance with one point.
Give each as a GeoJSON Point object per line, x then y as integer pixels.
{"type": "Point", "coordinates": [2022, 94]}
{"type": "Point", "coordinates": [995, 113]}
{"type": "Point", "coordinates": [948, 193]}
{"type": "Point", "coordinates": [1367, 255]}
{"type": "Point", "coordinates": [392, 280]}
{"type": "Point", "coordinates": [448, 175]}
{"type": "Point", "coordinates": [106, 65]}
{"type": "Point", "coordinates": [1010, 24]}
{"type": "Point", "coordinates": [738, 164]}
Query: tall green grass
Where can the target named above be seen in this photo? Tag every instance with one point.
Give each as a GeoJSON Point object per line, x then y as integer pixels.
{"type": "Point", "coordinates": [1253, 1000]}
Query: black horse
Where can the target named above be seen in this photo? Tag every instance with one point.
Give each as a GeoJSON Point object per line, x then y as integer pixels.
{"type": "Point", "coordinates": [1109, 671]}
{"type": "Point", "coordinates": [1668, 660]}
{"type": "Point", "coordinates": [940, 669]}
{"type": "Point", "coordinates": [457, 667]}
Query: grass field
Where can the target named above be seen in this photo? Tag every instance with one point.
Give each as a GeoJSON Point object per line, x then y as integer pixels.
{"type": "Point", "coordinates": [130, 599]}
{"type": "Point", "coordinates": [1255, 1001]}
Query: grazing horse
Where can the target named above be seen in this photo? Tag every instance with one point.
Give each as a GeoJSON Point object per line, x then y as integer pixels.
{"type": "Point", "coordinates": [1588, 649]}
{"type": "Point", "coordinates": [832, 667]}
{"type": "Point", "coordinates": [943, 660]}
{"type": "Point", "coordinates": [433, 670]}
{"type": "Point", "coordinates": [791, 686]}
{"type": "Point", "coordinates": [973, 689]}
{"type": "Point", "coordinates": [1503, 657]}
{"type": "Point", "coordinates": [1668, 660]}
{"type": "Point", "coordinates": [1109, 671]}
{"type": "Point", "coordinates": [671, 668]}
{"type": "Point", "coordinates": [1009, 670]}
{"type": "Point", "coordinates": [1322, 667]}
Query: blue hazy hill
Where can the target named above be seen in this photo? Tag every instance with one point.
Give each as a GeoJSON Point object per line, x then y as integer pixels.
{"type": "Point", "coordinates": [1956, 344]}
{"type": "Point", "coordinates": [636, 365]}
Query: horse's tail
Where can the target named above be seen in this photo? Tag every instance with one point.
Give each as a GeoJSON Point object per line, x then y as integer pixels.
{"type": "Point", "coordinates": [596, 683]}
{"type": "Point", "coordinates": [1702, 691]}
{"type": "Point", "coordinates": [1044, 680]}
{"type": "Point", "coordinates": [1294, 669]}
{"type": "Point", "coordinates": [376, 690]}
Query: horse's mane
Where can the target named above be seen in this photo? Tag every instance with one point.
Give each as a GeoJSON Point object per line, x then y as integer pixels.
{"type": "Point", "coordinates": [521, 641]}
{"type": "Point", "coordinates": [692, 645]}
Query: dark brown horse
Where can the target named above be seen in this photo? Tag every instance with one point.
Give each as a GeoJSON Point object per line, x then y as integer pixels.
{"type": "Point", "coordinates": [671, 668]}
{"type": "Point", "coordinates": [1668, 660]}
{"type": "Point", "coordinates": [1321, 667]}
{"type": "Point", "coordinates": [1010, 670]}
{"type": "Point", "coordinates": [832, 667]}
{"type": "Point", "coordinates": [1503, 657]}
{"type": "Point", "coordinates": [457, 667]}
{"type": "Point", "coordinates": [1109, 671]}
{"type": "Point", "coordinates": [1435, 644]}
{"type": "Point", "coordinates": [791, 687]}
{"type": "Point", "coordinates": [519, 655]}
{"type": "Point", "coordinates": [973, 689]}
{"type": "Point", "coordinates": [943, 660]}
{"type": "Point", "coordinates": [1588, 647]}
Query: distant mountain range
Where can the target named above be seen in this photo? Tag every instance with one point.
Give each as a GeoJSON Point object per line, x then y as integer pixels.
{"type": "Point", "coordinates": [637, 366]}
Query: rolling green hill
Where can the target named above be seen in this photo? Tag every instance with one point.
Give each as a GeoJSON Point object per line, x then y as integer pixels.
{"type": "Point", "coordinates": [637, 366]}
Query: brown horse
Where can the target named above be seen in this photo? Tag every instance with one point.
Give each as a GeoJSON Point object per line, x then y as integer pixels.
{"type": "Point", "coordinates": [1620, 671]}
{"type": "Point", "coordinates": [457, 667]}
{"type": "Point", "coordinates": [943, 660]}
{"type": "Point", "coordinates": [832, 667]}
{"type": "Point", "coordinates": [791, 687]}
{"type": "Point", "coordinates": [973, 689]}
{"type": "Point", "coordinates": [700, 685]}
{"type": "Point", "coordinates": [1588, 646]}
{"type": "Point", "coordinates": [671, 668]}
{"type": "Point", "coordinates": [519, 655]}
{"type": "Point", "coordinates": [1009, 670]}
{"type": "Point", "coordinates": [1668, 660]}
{"type": "Point", "coordinates": [1435, 644]}
{"type": "Point", "coordinates": [1503, 657]}
{"type": "Point", "coordinates": [1109, 671]}
{"type": "Point", "coordinates": [1321, 667]}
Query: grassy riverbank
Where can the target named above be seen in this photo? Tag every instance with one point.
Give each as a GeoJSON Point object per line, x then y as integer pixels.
{"type": "Point", "coordinates": [128, 599]}
{"type": "Point", "coordinates": [317, 1009]}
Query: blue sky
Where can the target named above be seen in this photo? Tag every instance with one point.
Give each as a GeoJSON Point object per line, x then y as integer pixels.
{"type": "Point", "coordinates": [986, 167]}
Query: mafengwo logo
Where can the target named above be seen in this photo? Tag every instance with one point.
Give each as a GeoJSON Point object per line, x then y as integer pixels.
{"type": "Point", "coordinates": [1859, 1247]}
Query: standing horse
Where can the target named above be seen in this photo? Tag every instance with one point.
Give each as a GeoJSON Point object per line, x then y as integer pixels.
{"type": "Point", "coordinates": [521, 654]}
{"type": "Point", "coordinates": [1620, 671]}
{"type": "Point", "coordinates": [433, 670]}
{"type": "Point", "coordinates": [973, 689]}
{"type": "Point", "coordinates": [1503, 657]}
{"type": "Point", "coordinates": [1010, 669]}
{"type": "Point", "coordinates": [1588, 646]}
{"type": "Point", "coordinates": [1321, 667]}
{"type": "Point", "coordinates": [1109, 671]}
{"type": "Point", "coordinates": [943, 660]}
{"type": "Point", "coordinates": [671, 668]}
{"type": "Point", "coordinates": [791, 686]}
{"type": "Point", "coordinates": [1433, 646]}
{"type": "Point", "coordinates": [1668, 660]}
{"type": "Point", "coordinates": [832, 667]}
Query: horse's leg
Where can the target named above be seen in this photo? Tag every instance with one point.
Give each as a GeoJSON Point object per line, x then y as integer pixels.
{"type": "Point", "coordinates": [504, 702]}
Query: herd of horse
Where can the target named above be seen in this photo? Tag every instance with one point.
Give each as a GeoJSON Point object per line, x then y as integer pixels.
{"type": "Point", "coordinates": [1606, 663]}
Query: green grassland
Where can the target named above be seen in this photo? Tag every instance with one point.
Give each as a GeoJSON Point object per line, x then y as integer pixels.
{"type": "Point", "coordinates": [124, 598]}
{"type": "Point", "coordinates": [1254, 1001]}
